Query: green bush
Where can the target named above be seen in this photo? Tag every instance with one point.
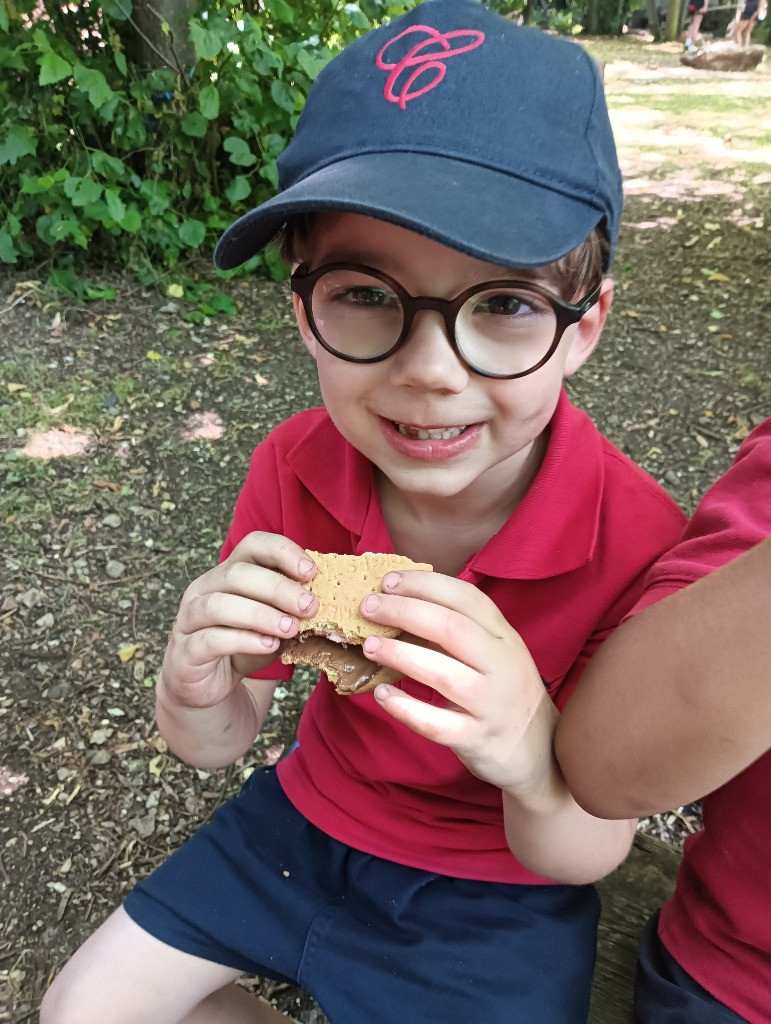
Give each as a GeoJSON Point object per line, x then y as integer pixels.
{"type": "Point", "coordinates": [104, 160]}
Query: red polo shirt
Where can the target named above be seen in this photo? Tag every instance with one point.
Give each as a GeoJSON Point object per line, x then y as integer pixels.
{"type": "Point", "coordinates": [564, 570]}
{"type": "Point", "coordinates": [718, 923]}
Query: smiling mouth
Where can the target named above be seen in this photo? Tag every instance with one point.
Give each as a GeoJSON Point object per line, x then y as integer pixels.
{"type": "Point", "coordinates": [431, 434]}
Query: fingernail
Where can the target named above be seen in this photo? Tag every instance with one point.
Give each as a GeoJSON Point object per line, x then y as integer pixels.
{"type": "Point", "coordinates": [270, 642]}
{"type": "Point", "coordinates": [285, 623]}
{"type": "Point", "coordinates": [391, 580]}
{"type": "Point", "coordinates": [304, 566]}
{"type": "Point", "coordinates": [371, 603]}
{"type": "Point", "coordinates": [305, 600]}
{"type": "Point", "coordinates": [372, 645]}
{"type": "Point", "coordinates": [382, 692]}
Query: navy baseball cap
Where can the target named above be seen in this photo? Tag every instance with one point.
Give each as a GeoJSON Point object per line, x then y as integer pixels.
{"type": "Point", "coordinates": [452, 121]}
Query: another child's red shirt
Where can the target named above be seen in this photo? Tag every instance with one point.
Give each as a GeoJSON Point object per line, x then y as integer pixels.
{"type": "Point", "coordinates": [564, 570]}
{"type": "Point", "coordinates": [718, 923]}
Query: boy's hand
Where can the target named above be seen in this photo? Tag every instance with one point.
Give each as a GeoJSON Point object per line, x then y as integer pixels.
{"type": "Point", "coordinates": [498, 718]}
{"type": "Point", "coordinates": [233, 618]}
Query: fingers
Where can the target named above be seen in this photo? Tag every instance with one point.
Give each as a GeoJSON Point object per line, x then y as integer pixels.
{"type": "Point", "coordinates": [457, 683]}
{"type": "Point", "coordinates": [448, 592]}
{"type": "Point", "coordinates": [476, 644]}
{"type": "Point", "coordinates": [446, 726]}
{"type": "Point", "coordinates": [257, 588]}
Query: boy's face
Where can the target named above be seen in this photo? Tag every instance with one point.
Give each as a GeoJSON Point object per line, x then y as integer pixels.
{"type": "Point", "coordinates": [379, 407]}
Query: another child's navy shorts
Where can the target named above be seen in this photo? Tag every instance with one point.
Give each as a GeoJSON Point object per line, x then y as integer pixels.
{"type": "Point", "coordinates": [262, 890]}
{"type": "Point", "coordinates": [666, 994]}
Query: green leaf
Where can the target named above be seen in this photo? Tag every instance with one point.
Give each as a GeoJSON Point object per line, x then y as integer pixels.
{"type": "Point", "coordinates": [209, 102]}
{"type": "Point", "coordinates": [357, 17]}
{"type": "Point", "coordinates": [53, 68]}
{"type": "Point", "coordinates": [282, 95]}
{"type": "Point", "coordinates": [7, 248]}
{"type": "Point", "coordinates": [239, 151]}
{"type": "Point", "coordinates": [82, 191]}
{"type": "Point", "coordinates": [108, 166]}
{"type": "Point", "coordinates": [120, 61]}
{"type": "Point", "coordinates": [4, 23]}
{"type": "Point", "coordinates": [272, 144]}
{"type": "Point", "coordinates": [207, 43]}
{"type": "Point", "coordinates": [238, 189]}
{"type": "Point", "coordinates": [118, 10]}
{"type": "Point", "coordinates": [280, 10]}
{"type": "Point", "coordinates": [310, 63]}
{"type": "Point", "coordinates": [115, 205]}
{"type": "Point", "coordinates": [31, 186]}
{"type": "Point", "coordinates": [222, 303]}
{"type": "Point", "coordinates": [10, 59]}
{"type": "Point", "coordinates": [132, 222]}
{"type": "Point", "coordinates": [269, 171]}
{"type": "Point", "coordinates": [192, 233]}
{"type": "Point", "coordinates": [66, 280]}
{"type": "Point", "coordinates": [91, 293]}
{"type": "Point", "coordinates": [194, 124]}
{"type": "Point", "coordinates": [18, 142]}
{"type": "Point", "coordinates": [66, 228]}
{"type": "Point", "coordinates": [94, 84]}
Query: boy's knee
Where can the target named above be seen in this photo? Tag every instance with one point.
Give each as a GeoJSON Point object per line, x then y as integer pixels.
{"type": "Point", "coordinates": [57, 1008]}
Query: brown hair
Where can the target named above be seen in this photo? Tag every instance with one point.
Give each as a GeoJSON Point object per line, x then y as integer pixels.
{"type": "Point", "coordinates": [574, 274]}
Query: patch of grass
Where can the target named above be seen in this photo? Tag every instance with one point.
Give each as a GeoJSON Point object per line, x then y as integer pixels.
{"type": "Point", "coordinates": [684, 103]}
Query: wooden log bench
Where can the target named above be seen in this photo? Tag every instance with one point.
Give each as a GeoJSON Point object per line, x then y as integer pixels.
{"type": "Point", "coordinates": [629, 897]}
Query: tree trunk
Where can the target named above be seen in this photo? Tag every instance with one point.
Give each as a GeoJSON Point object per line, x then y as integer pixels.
{"type": "Point", "coordinates": [673, 25]}
{"type": "Point", "coordinates": [653, 20]}
{"type": "Point", "coordinates": [149, 46]}
{"type": "Point", "coordinates": [593, 17]}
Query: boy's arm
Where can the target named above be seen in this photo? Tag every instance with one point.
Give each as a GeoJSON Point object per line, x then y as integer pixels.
{"type": "Point", "coordinates": [230, 625]}
{"type": "Point", "coordinates": [676, 701]}
{"type": "Point", "coordinates": [496, 716]}
{"type": "Point", "coordinates": [549, 832]}
{"type": "Point", "coordinates": [216, 736]}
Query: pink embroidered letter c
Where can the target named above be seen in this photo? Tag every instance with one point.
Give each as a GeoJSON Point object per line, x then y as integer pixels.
{"type": "Point", "coordinates": [422, 61]}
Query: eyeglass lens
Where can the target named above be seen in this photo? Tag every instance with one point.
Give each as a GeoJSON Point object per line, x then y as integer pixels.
{"type": "Point", "coordinates": [500, 331]}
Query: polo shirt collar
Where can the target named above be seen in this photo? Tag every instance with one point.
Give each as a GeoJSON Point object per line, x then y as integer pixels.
{"type": "Point", "coordinates": [552, 531]}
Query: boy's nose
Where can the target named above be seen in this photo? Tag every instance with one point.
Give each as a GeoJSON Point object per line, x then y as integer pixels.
{"type": "Point", "coordinates": [427, 358]}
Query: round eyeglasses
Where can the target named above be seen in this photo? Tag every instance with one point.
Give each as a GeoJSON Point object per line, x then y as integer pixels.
{"type": "Point", "coordinates": [503, 329]}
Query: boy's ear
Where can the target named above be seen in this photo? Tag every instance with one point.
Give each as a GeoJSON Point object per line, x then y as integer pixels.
{"type": "Point", "coordinates": [588, 330]}
{"type": "Point", "coordinates": [302, 323]}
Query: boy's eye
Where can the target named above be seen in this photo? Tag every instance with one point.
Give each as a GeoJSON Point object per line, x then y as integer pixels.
{"type": "Point", "coordinates": [502, 304]}
{"type": "Point", "coordinates": [367, 297]}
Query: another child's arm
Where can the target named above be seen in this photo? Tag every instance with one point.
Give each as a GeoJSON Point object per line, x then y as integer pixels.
{"type": "Point", "coordinates": [498, 719]}
{"type": "Point", "coordinates": [676, 702]}
{"type": "Point", "coordinates": [230, 623]}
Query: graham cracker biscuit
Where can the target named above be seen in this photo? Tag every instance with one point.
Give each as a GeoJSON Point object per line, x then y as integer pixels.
{"type": "Point", "coordinates": [331, 640]}
{"type": "Point", "coordinates": [341, 583]}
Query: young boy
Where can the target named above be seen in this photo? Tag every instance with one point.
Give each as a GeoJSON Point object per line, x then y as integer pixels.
{"type": "Point", "coordinates": [676, 706]}
{"type": "Point", "coordinates": [450, 203]}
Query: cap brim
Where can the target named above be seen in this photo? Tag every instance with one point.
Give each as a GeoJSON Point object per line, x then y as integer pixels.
{"type": "Point", "coordinates": [517, 223]}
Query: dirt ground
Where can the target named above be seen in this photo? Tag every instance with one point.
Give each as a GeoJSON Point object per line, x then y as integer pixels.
{"type": "Point", "coordinates": [159, 416]}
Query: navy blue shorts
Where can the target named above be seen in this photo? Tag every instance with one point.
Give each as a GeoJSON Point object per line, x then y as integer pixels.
{"type": "Point", "coordinates": [666, 994]}
{"type": "Point", "coordinates": [262, 890]}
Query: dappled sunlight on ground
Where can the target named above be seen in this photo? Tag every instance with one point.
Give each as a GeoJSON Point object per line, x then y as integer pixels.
{"type": "Point", "coordinates": [55, 443]}
{"type": "Point", "coordinates": [685, 187]}
{"type": "Point", "coordinates": [203, 425]}
{"type": "Point", "coordinates": [10, 781]}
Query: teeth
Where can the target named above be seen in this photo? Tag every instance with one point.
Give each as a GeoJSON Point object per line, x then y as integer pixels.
{"type": "Point", "coordinates": [442, 434]}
